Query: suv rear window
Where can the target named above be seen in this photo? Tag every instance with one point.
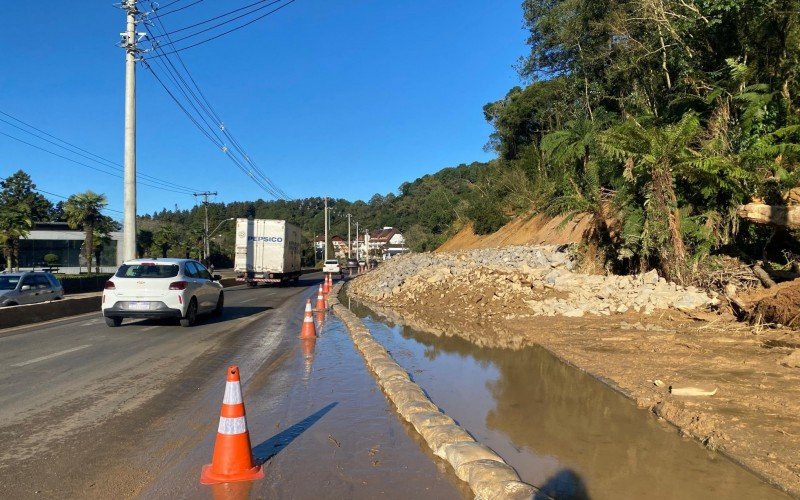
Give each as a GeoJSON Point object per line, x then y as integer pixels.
{"type": "Point", "coordinates": [147, 270]}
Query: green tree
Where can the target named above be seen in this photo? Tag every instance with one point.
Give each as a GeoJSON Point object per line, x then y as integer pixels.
{"type": "Point", "coordinates": [19, 190]}
{"type": "Point", "coordinates": [164, 239]}
{"type": "Point", "coordinates": [15, 223]}
{"type": "Point", "coordinates": [83, 210]}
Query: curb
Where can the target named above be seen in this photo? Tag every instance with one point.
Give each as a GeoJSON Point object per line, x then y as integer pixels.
{"type": "Point", "coordinates": [486, 472]}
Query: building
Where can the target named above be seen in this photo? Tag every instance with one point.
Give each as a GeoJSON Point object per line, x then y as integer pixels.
{"type": "Point", "coordinates": [58, 239]}
{"type": "Point", "coordinates": [338, 243]}
{"type": "Point", "coordinates": [384, 243]}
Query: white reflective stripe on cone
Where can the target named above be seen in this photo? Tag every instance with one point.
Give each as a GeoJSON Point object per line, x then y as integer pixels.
{"type": "Point", "coordinates": [308, 306]}
{"type": "Point", "coordinates": [308, 319]}
{"type": "Point", "coordinates": [230, 426]}
{"type": "Point", "coordinates": [233, 393]}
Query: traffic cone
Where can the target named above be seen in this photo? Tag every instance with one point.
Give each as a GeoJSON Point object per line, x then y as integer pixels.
{"type": "Point", "coordinates": [233, 456]}
{"type": "Point", "coordinates": [325, 288]}
{"type": "Point", "coordinates": [308, 331]}
{"type": "Point", "coordinates": [321, 305]}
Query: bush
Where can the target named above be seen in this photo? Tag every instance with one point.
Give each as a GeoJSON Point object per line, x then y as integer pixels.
{"type": "Point", "coordinates": [487, 214]}
{"type": "Point", "coordinates": [51, 259]}
{"type": "Point", "coordinates": [79, 283]}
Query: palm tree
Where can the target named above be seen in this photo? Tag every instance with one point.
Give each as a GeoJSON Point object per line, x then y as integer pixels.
{"type": "Point", "coordinates": [15, 223]}
{"type": "Point", "coordinates": [83, 210]}
{"type": "Point", "coordinates": [652, 156]}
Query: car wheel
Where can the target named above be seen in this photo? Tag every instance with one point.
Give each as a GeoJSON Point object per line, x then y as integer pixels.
{"type": "Point", "coordinates": [220, 305]}
{"type": "Point", "coordinates": [191, 314]}
{"type": "Point", "coordinates": [11, 304]}
{"type": "Point", "coordinates": [113, 321]}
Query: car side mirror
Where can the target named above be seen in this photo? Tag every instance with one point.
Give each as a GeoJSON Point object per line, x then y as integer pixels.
{"type": "Point", "coordinates": [25, 288]}
{"type": "Point", "coordinates": [217, 277]}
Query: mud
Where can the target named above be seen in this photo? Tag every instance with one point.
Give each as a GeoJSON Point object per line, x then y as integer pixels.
{"type": "Point", "coordinates": [569, 434]}
{"type": "Point", "coordinates": [780, 305]}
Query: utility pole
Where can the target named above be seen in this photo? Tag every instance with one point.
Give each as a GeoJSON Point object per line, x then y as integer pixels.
{"type": "Point", "coordinates": [205, 195]}
{"type": "Point", "coordinates": [326, 228]}
{"type": "Point", "coordinates": [349, 242]}
{"type": "Point", "coordinates": [358, 249]}
{"type": "Point", "coordinates": [129, 197]}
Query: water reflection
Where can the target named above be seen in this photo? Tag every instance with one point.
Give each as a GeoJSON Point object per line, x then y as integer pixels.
{"type": "Point", "coordinates": [563, 431]}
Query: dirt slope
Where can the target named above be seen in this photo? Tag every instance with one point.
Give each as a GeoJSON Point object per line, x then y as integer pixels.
{"type": "Point", "coordinates": [523, 230]}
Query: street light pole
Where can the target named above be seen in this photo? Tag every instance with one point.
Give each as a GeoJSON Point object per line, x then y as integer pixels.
{"type": "Point", "coordinates": [349, 243]}
{"type": "Point", "coordinates": [326, 228]}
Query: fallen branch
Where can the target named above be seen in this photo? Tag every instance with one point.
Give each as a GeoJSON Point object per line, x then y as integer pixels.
{"type": "Point", "coordinates": [773, 215]}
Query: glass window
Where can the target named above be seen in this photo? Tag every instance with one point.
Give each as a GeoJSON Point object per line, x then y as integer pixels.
{"type": "Point", "coordinates": [41, 281]}
{"type": "Point", "coordinates": [190, 270]}
{"type": "Point", "coordinates": [9, 282]}
{"type": "Point", "coordinates": [28, 281]}
{"type": "Point", "coordinates": [202, 272]}
{"type": "Point", "coordinates": [147, 270]}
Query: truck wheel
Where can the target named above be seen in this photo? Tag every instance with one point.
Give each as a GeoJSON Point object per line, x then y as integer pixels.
{"type": "Point", "coordinates": [191, 314]}
{"type": "Point", "coordinates": [220, 304]}
{"type": "Point", "coordinates": [112, 322]}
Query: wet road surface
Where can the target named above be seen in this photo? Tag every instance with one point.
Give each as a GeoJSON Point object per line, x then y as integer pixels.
{"type": "Point", "coordinates": [562, 430]}
{"type": "Point", "coordinates": [96, 412]}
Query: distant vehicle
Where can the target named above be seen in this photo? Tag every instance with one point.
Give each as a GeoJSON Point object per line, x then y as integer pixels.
{"type": "Point", "coordinates": [331, 266]}
{"type": "Point", "coordinates": [352, 263]}
{"type": "Point", "coordinates": [29, 288]}
{"type": "Point", "coordinates": [162, 288]}
{"type": "Point", "coordinates": [267, 251]}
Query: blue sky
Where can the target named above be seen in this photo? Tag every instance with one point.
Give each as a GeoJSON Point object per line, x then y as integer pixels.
{"type": "Point", "coordinates": [340, 98]}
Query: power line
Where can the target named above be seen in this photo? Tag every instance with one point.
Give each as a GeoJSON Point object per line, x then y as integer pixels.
{"type": "Point", "coordinates": [220, 34]}
{"type": "Point", "coordinates": [106, 209]}
{"type": "Point", "coordinates": [209, 109]}
{"type": "Point", "coordinates": [179, 8]}
{"type": "Point", "coordinates": [270, 2]}
{"type": "Point", "coordinates": [83, 164]}
{"type": "Point", "coordinates": [72, 148]}
{"type": "Point", "coordinates": [201, 106]}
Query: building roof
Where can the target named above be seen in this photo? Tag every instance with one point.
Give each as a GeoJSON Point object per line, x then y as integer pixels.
{"type": "Point", "coordinates": [382, 235]}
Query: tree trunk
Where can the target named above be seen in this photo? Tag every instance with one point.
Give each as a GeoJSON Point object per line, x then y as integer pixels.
{"type": "Point", "coordinates": [773, 215]}
{"type": "Point", "coordinates": [87, 243]}
{"type": "Point", "coordinates": [665, 202]}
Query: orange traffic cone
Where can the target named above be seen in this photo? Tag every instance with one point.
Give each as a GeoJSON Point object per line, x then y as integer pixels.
{"type": "Point", "coordinates": [308, 331]}
{"type": "Point", "coordinates": [233, 456]}
{"type": "Point", "coordinates": [325, 288]}
{"type": "Point", "coordinates": [321, 305]}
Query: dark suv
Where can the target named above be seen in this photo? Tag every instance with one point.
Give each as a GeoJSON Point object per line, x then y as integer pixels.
{"type": "Point", "coordinates": [29, 288]}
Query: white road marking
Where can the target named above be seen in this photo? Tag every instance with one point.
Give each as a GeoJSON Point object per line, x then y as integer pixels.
{"type": "Point", "coordinates": [250, 300]}
{"type": "Point", "coordinates": [90, 323]}
{"type": "Point", "coordinates": [149, 328]}
{"type": "Point", "coordinates": [51, 356]}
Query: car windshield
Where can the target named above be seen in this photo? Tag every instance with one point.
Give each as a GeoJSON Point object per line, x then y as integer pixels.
{"type": "Point", "coordinates": [9, 282]}
{"type": "Point", "coordinates": [331, 261]}
{"type": "Point", "coordinates": [147, 270]}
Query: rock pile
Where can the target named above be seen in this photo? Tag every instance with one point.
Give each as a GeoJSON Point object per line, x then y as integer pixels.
{"type": "Point", "coordinates": [520, 280]}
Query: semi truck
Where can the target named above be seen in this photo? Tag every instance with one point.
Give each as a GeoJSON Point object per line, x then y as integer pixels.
{"type": "Point", "coordinates": [267, 251]}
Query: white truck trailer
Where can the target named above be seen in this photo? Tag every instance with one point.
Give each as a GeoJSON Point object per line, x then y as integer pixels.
{"type": "Point", "coordinates": [267, 251]}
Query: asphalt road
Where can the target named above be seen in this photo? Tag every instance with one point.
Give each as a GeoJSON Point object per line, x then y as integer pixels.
{"type": "Point", "coordinates": [92, 411]}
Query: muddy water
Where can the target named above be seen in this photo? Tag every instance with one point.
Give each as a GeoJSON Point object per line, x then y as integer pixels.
{"type": "Point", "coordinates": [562, 430]}
{"type": "Point", "coordinates": [317, 420]}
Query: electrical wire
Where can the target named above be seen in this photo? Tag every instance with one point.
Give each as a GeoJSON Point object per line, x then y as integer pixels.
{"type": "Point", "coordinates": [220, 34]}
{"type": "Point", "coordinates": [200, 104]}
{"type": "Point", "coordinates": [179, 8]}
{"type": "Point", "coordinates": [72, 148]}
{"type": "Point", "coordinates": [206, 105]}
{"type": "Point", "coordinates": [66, 198]}
{"type": "Point", "coordinates": [113, 174]}
{"type": "Point", "coordinates": [269, 3]}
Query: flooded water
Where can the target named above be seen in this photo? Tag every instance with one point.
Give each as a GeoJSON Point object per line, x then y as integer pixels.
{"type": "Point", "coordinates": [562, 430]}
{"type": "Point", "coordinates": [317, 420]}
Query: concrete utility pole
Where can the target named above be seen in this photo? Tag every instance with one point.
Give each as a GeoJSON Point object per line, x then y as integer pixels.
{"type": "Point", "coordinates": [129, 197]}
{"type": "Point", "coordinates": [349, 243]}
{"type": "Point", "coordinates": [358, 249]}
{"type": "Point", "coordinates": [206, 246]}
{"type": "Point", "coordinates": [326, 228]}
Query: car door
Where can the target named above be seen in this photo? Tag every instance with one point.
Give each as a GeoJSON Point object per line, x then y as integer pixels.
{"type": "Point", "coordinates": [27, 290]}
{"type": "Point", "coordinates": [195, 287]}
{"type": "Point", "coordinates": [44, 288]}
{"type": "Point", "coordinates": [209, 291]}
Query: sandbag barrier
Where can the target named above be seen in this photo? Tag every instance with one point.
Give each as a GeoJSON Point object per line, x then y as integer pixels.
{"type": "Point", "coordinates": [488, 475]}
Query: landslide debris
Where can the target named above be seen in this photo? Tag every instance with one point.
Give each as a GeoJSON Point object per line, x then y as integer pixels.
{"type": "Point", "coordinates": [520, 281]}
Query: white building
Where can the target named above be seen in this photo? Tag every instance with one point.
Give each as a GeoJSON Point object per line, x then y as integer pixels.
{"type": "Point", "coordinates": [58, 239]}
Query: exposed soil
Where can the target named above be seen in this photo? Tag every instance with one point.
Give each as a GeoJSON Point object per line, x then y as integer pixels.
{"type": "Point", "coordinates": [779, 305]}
{"type": "Point", "coordinates": [524, 230]}
{"type": "Point", "coordinates": [753, 415]}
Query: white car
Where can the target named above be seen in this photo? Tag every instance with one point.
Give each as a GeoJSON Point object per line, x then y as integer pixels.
{"type": "Point", "coordinates": [161, 288]}
{"type": "Point", "coordinates": [331, 266]}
